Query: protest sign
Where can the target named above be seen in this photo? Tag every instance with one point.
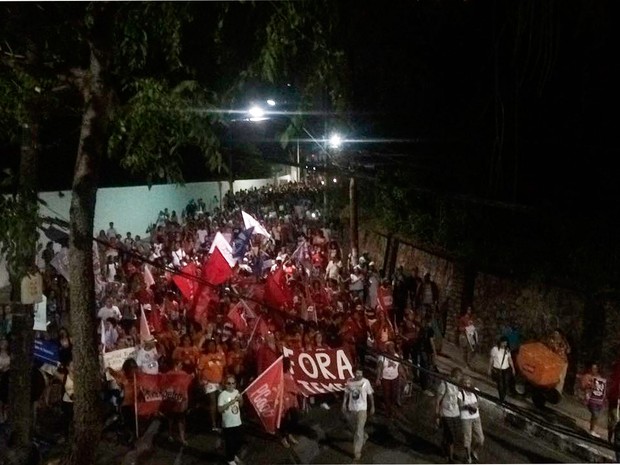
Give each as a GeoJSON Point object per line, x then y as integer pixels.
{"type": "Point", "coordinates": [163, 393]}
{"type": "Point", "coordinates": [46, 351]}
{"type": "Point", "coordinates": [40, 315]}
{"type": "Point", "coordinates": [320, 371]}
{"type": "Point", "coordinates": [116, 358]}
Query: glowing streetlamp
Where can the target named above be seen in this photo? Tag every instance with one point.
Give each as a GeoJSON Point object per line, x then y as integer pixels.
{"type": "Point", "coordinates": [256, 113]}
{"type": "Point", "coordinates": [335, 141]}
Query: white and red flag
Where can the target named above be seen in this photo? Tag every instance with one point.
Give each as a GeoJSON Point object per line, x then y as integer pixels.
{"type": "Point", "coordinates": [265, 395]}
{"type": "Point", "coordinates": [220, 242]}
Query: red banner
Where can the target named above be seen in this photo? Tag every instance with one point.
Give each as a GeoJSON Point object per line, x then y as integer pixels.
{"type": "Point", "coordinates": [187, 283]}
{"type": "Point", "coordinates": [265, 395]}
{"type": "Point", "coordinates": [165, 392]}
{"type": "Point", "coordinates": [320, 371]}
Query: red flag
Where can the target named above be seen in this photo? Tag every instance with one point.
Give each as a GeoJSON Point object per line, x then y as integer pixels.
{"type": "Point", "coordinates": [277, 292]}
{"type": "Point", "coordinates": [265, 394]}
{"type": "Point", "coordinates": [186, 282]}
{"type": "Point", "coordinates": [205, 300]}
{"type": "Point", "coordinates": [216, 270]}
{"type": "Point", "coordinates": [237, 317]}
{"type": "Point", "coordinates": [164, 392]}
{"type": "Point", "coordinates": [261, 327]}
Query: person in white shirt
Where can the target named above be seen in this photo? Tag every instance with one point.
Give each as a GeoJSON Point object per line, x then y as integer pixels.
{"type": "Point", "coordinates": [471, 425]}
{"type": "Point", "coordinates": [358, 394]}
{"type": "Point", "coordinates": [110, 335]}
{"type": "Point", "coordinates": [147, 357]}
{"type": "Point", "coordinates": [178, 256]}
{"type": "Point", "coordinates": [373, 285]}
{"type": "Point", "coordinates": [111, 232]}
{"type": "Point", "coordinates": [501, 366]}
{"type": "Point", "coordinates": [388, 377]}
{"type": "Point", "coordinates": [229, 404]}
{"type": "Point", "coordinates": [356, 283]}
{"type": "Point", "coordinates": [109, 310]}
{"type": "Point", "coordinates": [447, 411]}
{"type": "Point", "coordinates": [332, 271]}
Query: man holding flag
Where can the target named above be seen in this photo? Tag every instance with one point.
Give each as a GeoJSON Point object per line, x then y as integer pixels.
{"type": "Point", "coordinates": [229, 405]}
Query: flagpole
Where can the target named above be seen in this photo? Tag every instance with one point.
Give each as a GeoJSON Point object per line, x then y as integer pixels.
{"type": "Point", "coordinates": [261, 375]}
{"type": "Point", "coordinates": [255, 326]}
{"type": "Point", "coordinates": [135, 402]}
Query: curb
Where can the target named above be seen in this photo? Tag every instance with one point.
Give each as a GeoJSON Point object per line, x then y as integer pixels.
{"type": "Point", "coordinates": [565, 443]}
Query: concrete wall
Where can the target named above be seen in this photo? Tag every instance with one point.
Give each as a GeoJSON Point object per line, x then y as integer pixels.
{"type": "Point", "coordinates": [133, 209]}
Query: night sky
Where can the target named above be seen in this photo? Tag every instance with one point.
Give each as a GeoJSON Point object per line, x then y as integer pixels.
{"type": "Point", "coordinates": [454, 79]}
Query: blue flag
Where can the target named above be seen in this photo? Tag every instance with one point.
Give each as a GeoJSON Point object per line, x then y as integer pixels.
{"type": "Point", "coordinates": [241, 242]}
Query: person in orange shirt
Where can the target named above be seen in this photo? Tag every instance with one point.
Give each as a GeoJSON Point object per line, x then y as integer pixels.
{"type": "Point", "coordinates": [235, 358]}
{"type": "Point", "coordinates": [210, 371]}
{"type": "Point", "coordinates": [125, 379]}
{"type": "Point", "coordinates": [186, 355]}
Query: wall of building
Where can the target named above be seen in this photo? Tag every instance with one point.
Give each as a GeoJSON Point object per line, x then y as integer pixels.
{"type": "Point", "coordinates": [133, 209]}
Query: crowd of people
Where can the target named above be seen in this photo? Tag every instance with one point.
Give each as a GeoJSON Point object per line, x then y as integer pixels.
{"type": "Point", "coordinates": [334, 303]}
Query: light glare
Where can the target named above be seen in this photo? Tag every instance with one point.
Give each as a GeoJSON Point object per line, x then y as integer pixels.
{"type": "Point", "coordinates": [271, 102]}
{"type": "Point", "coordinates": [335, 141]}
{"type": "Point", "coordinates": [256, 112]}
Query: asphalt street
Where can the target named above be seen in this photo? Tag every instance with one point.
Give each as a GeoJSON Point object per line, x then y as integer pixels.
{"type": "Point", "coordinates": [410, 438]}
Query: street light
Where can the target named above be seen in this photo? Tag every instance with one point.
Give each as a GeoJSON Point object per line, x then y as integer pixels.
{"type": "Point", "coordinates": [335, 141]}
{"type": "Point", "coordinates": [256, 113]}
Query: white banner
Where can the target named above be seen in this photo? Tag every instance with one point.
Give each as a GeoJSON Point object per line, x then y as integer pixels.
{"type": "Point", "coordinates": [40, 315]}
{"type": "Point", "coordinates": [116, 358]}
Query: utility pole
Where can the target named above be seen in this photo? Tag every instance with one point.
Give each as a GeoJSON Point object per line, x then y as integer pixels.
{"type": "Point", "coordinates": [353, 224]}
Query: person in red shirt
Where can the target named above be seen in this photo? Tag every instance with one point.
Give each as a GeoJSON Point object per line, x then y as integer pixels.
{"type": "Point", "coordinates": [385, 299]}
{"type": "Point", "coordinates": [595, 387]}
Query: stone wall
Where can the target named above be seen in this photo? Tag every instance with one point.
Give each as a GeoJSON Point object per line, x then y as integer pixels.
{"type": "Point", "coordinates": [592, 326]}
{"type": "Point", "coordinates": [534, 309]}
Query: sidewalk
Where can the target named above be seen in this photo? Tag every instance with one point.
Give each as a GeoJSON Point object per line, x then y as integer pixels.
{"type": "Point", "coordinates": [568, 415]}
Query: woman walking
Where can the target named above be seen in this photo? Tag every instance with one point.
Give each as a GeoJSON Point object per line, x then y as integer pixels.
{"type": "Point", "coordinates": [471, 425]}
{"type": "Point", "coordinates": [501, 367]}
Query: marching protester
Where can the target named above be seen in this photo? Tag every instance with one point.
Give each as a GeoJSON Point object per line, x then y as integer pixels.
{"type": "Point", "coordinates": [290, 405]}
{"type": "Point", "coordinates": [358, 396]}
{"type": "Point", "coordinates": [595, 389]}
{"type": "Point", "coordinates": [229, 403]}
{"type": "Point", "coordinates": [147, 356]}
{"type": "Point", "coordinates": [471, 424]}
{"type": "Point", "coordinates": [125, 380]}
{"type": "Point", "coordinates": [468, 336]}
{"type": "Point", "coordinates": [447, 411]}
{"type": "Point", "coordinates": [211, 373]}
{"type": "Point", "coordinates": [501, 367]}
{"type": "Point", "coordinates": [389, 372]}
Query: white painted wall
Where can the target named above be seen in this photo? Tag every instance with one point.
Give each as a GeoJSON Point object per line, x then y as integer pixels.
{"type": "Point", "coordinates": [133, 209]}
